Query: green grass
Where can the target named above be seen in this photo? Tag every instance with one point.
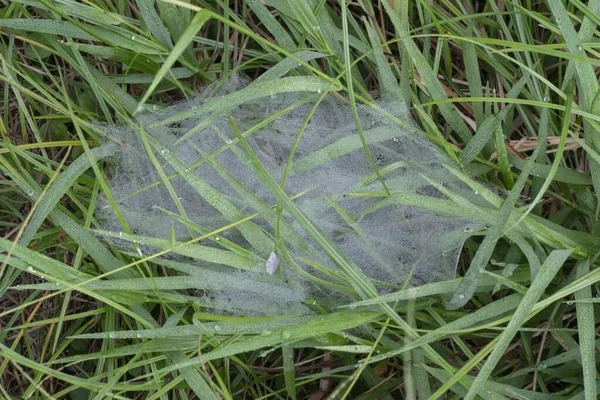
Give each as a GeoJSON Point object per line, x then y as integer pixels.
{"type": "Point", "coordinates": [507, 89]}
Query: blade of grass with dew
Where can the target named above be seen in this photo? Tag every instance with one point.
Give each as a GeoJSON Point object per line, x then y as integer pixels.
{"type": "Point", "coordinates": [586, 327]}
{"type": "Point", "coordinates": [285, 66]}
{"type": "Point", "coordinates": [281, 36]}
{"type": "Point", "coordinates": [549, 269]}
{"type": "Point", "coordinates": [88, 384]}
{"type": "Point", "coordinates": [502, 156]}
{"type": "Point", "coordinates": [498, 228]}
{"type": "Point", "coordinates": [335, 322]}
{"type": "Point", "coordinates": [199, 252]}
{"type": "Point", "coordinates": [487, 128]}
{"type": "Point", "coordinates": [222, 105]}
{"type": "Point", "coordinates": [161, 173]}
{"type": "Point", "coordinates": [434, 87]}
{"type": "Point", "coordinates": [154, 23]}
{"type": "Point", "coordinates": [559, 151]}
{"type": "Point", "coordinates": [251, 232]}
{"type": "Point", "coordinates": [473, 77]}
{"type": "Point", "coordinates": [182, 44]}
{"type": "Point", "coordinates": [479, 320]}
{"type": "Point", "coordinates": [587, 81]}
{"type": "Point", "coordinates": [62, 185]}
{"type": "Point", "coordinates": [31, 224]}
{"type": "Point", "coordinates": [433, 289]}
{"type": "Point", "coordinates": [84, 238]}
{"type": "Point", "coordinates": [387, 80]}
{"type": "Point", "coordinates": [289, 375]}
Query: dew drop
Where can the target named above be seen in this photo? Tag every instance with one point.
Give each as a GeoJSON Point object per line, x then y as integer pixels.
{"type": "Point", "coordinates": [476, 192]}
{"type": "Point", "coordinates": [570, 302]}
{"type": "Point", "coordinates": [217, 238]}
{"type": "Point", "coordinates": [140, 109]}
{"type": "Point", "coordinates": [461, 296]}
{"type": "Point", "coordinates": [316, 28]}
{"type": "Point", "coordinates": [139, 336]}
{"type": "Point", "coordinates": [132, 37]}
{"type": "Point", "coordinates": [266, 333]}
{"type": "Point", "coordinates": [42, 276]}
{"type": "Point", "coordinates": [273, 96]}
{"type": "Point", "coordinates": [546, 99]}
{"type": "Point", "coordinates": [112, 335]}
{"type": "Point", "coordinates": [217, 328]}
{"type": "Point", "coordinates": [120, 234]}
{"type": "Point", "coordinates": [139, 251]}
{"type": "Point", "coordinates": [164, 152]}
{"type": "Point", "coordinates": [155, 107]}
{"type": "Point", "coordinates": [396, 140]}
{"type": "Point", "coordinates": [229, 141]}
{"type": "Point", "coordinates": [468, 230]}
{"type": "Point", "coordinates": [579, 47]}
{"type": "Point", "coordinates": [30, 269]}
{"type": "Point", "coordinates": [319, 90]}
{"type": "Point", "coordinates": [285, 335]}
{"type": "Point", "coordinates": [542, 366]}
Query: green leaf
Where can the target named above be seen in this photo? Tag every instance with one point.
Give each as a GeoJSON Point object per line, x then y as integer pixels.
{"type": "Point", "coordinates": [186, 38]}
{"type": "Point", "coordinates": [547, 272]}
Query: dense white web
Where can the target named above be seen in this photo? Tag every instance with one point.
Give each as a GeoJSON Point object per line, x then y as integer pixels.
{"type": "Point", "coordinates": [247, 268]}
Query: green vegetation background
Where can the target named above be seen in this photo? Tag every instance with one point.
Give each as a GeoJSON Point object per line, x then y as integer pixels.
{"type": "Point", "coordinates": [509, 89]}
